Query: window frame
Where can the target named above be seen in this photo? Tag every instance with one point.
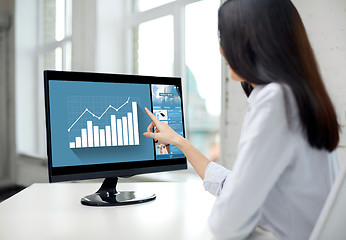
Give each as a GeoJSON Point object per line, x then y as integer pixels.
{"type": "Point", "coordinates": [176, 9]}
{"type": "Point", "coordinates": [43, 48]}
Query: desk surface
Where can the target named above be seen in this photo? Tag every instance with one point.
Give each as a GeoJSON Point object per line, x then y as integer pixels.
{"type": "Point", "coordinates": [54, 211]}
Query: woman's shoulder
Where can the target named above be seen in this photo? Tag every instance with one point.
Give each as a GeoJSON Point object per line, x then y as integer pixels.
{"type": "Point", "coordinates": [276, 96]}
{"type": "Point", "coordinates": [270, 91]}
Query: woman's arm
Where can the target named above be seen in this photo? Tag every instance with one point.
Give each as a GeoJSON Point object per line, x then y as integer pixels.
{"type": "Point", "coordinates": [164, 133]}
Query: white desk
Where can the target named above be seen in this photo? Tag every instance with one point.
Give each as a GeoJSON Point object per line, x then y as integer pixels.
{"type": "Point", "coordinates": [54, 211]}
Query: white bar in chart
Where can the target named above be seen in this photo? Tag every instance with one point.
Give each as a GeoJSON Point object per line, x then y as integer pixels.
{"type": "Point", "coordinates": [135, 122]}
{"type": "Point", "coordinates": [126, 135]}
{"type": "Point", "coordinates": [78, 142]}
{"type": "Point", "coordinates": [84, 138]}
{"type": "Point", "coordinates": [130, 125]}
{"type": "Point", "coordinates": [90, 134]}
{"type": "Point", "coordinates": [96, 136]}
{"type": "Point", "coordinates": [108, 136]}
{"type": "Point", "coordinates": [120, 132]}
{"type": "Point", "coordinates": [114, 130]}
{"type": "Point", "coordinates": [102, 138]}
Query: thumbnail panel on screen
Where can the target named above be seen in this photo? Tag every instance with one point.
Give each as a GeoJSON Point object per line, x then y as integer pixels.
{"type": "Point", "coordinates": [167, 108]}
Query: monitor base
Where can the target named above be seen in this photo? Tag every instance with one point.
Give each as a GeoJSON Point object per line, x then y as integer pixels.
{"type": "Point", "coordinates": [107, 195]}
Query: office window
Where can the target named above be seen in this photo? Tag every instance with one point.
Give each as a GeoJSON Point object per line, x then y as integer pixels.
{"type": "Point", "coordinates": [203, 76]}
{"type": "Point", "coordinates": [179, 38]}
{"type": "Point", "coordinates": [43, 30]}
{"type": "Point", "coordinates": [55, 51]}
{"type": "Point", "coordinates": [155, 40]}
{"type": "Point", "coordinates": [55, 29]}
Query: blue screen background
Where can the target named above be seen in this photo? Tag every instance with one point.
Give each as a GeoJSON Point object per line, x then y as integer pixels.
{"type": "Point", "coordinates": [68, 100]}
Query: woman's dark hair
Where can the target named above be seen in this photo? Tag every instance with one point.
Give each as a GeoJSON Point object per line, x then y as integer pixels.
{"type": "Point", "coordinates": [265, 41]}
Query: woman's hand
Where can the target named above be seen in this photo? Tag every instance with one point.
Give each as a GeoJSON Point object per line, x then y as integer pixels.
{"type": "Point", "coordinates": [163, 133]}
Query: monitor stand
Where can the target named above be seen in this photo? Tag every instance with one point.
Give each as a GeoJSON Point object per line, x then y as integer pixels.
{"type": "Point", "coordinates": [107, 195]}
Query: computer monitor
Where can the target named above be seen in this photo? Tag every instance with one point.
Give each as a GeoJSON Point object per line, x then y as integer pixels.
{"type": "Point", "coordinates": [95, 124]}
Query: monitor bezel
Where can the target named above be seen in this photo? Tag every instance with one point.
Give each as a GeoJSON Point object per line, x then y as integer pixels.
{"type": "Point", "coordinates": [59, 174]}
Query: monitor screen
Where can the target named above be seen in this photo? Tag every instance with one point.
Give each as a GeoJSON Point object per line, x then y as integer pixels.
{"type": "Point", "coordinates": [95, 124]}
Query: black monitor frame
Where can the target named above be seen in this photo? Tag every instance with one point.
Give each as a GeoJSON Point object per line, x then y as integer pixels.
{"type": "Point", "coordinates": [126, 169]}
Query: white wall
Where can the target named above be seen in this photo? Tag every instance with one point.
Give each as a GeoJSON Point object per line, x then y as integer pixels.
{"type": "Point", "coordinates": [325, 22]}
{"type": "Point", "coordinates": [26, 46]}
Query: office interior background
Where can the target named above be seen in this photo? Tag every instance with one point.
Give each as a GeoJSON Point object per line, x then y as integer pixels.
{"type": "Point", "coordinates": [147, 37]}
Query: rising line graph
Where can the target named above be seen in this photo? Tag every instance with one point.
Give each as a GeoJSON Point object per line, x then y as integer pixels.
{"type": "Point", "coordinates": [98, 117]}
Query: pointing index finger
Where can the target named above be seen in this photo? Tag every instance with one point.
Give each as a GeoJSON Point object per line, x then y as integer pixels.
{"type": "Point", "coordinates": [152, 116]}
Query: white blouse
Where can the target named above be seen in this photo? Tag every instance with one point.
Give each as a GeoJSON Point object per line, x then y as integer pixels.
{"type": "Point", "coordinates": [279, 182]}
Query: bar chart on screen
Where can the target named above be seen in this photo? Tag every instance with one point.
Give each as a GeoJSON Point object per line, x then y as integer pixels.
{"type": "Point", "coordinates": [115, 126]}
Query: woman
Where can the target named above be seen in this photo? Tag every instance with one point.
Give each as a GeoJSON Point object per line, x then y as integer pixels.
{"type": "Point", "coordinates": [280, 179]}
